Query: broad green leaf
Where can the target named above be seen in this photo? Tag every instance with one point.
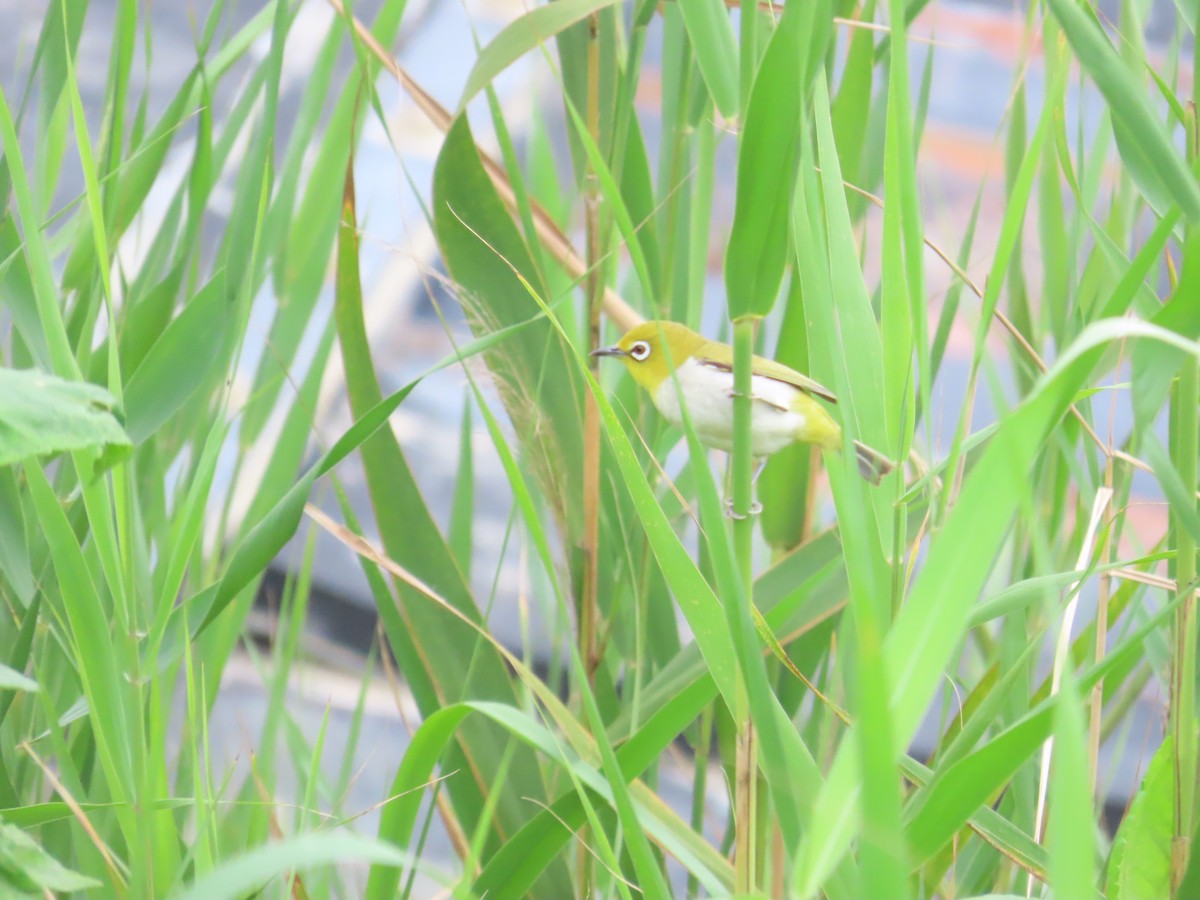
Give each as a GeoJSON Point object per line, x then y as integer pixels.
{"type": "Point", "coordinates": [768, 151]}
{"type": "Point", "coordinates": [1139, 866]}
{"type": "Point", "coordinates": [180, 362]}
{"type": "Point", "coordinates": [27, 868]}
{"type": "Point", "coordinates": [844, 340]}
{"type": "Point", "coordinates": [1072, 846]}
{"type": "Point", "coordinates": [904, 318]}
{"type": "Point", "coordinates": [42, 414]}
{"type": "Point", "coordinates": [12, 680]}
{"type": "Point", "coordinates": [484, 253]}
{"type": "Point", "coordinates": [90, 629]}
{"type": "Point", "coordinates": [246, 873]}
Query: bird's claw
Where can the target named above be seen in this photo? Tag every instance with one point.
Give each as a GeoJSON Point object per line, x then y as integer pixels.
{"type": "Point", "coordinates": [755, 509]}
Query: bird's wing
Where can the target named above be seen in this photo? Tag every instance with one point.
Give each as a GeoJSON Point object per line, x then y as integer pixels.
{"type": "Point", "coordinates": [721, 357]}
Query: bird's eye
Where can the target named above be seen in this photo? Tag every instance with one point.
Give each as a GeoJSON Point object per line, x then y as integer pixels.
{"type": "Point", "coordinates": [640, 351]}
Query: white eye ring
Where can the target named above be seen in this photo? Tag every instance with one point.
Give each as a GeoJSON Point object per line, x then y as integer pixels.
{"type": "Point", "coordinates": [640, 351]}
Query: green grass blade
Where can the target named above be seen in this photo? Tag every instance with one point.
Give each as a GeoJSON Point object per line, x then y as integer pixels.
{"type": "Point", "coordinates": [1147, 148]}
{"type": "Point", "coordinates": [716, 49]}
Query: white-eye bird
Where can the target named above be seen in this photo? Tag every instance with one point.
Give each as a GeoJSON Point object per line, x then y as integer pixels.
{"type": "Point", "coordinates": [784, 410]}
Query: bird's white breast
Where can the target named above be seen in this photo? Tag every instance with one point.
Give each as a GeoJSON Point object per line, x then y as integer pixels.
{"type": "Point", "coordinates": [708, 393]}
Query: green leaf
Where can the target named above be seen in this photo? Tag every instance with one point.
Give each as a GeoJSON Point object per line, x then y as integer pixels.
{"type": "Point", "coordinates": [276, 528]}
{"type": "Point", "coordinates": [179, 363]}
{"type": "Point", "coordinates": [1155, 366]}
{"type": "Point", "coordinates": [1189, 885]}
{"type": "Point", "coordinates": [42, 414]}
{"type": "Point", "coordinates": [521, 859]}
{"type": "Point", "coordinates": [239, 876]}
{"type": "Point", "coordinates": [1145, 145]}
{"type": "Point", "coordinates": [716, 49]}
{"type": "Point", "coordinates": [488, 259]}
{"type": "Point", "coordinates": [926, 632]}
{"type": "Point", "coordinates": [767, 156]}
{"type": "Point", "coordinates": [15, 565]}
{"type": "Point", "coordinates": [462, 508]}
{"type": "Point", "coordinates": [963, 783]}
{"type": "Point", "coordinates": [788, 474]}
{"type": "Point", "coordinates": [439, 653]}
{"type": "Point", "coordinates": [851, 110]}
{"type": "Point", "coordinates": [279, 522]}
{"type": "Point", "coordinates": [1139, 867]}
{"type": "Point", "coordinates": [11, 679]}
{"type": "Point", "coordinates": [522, 35]}
{"type": "Point", "coordinates": [1071, 842]}
{"type": "Point", "coordinates": [671, 701]}
{"type": "Point", "coordinates": [27, 867]}
{"type": "Point", "coordinates": [91, 630]}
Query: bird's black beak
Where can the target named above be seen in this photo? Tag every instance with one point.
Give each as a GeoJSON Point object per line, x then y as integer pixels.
{"type": "Point", "coordinates": [608, 351]}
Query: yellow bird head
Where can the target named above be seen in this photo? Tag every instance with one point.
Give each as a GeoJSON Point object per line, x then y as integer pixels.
{"type": "Point", "coordinates": [650, 349]}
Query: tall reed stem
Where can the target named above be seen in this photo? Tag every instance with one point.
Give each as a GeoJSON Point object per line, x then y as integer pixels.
{"type": "Point", "coordinates": [589, 616]}
{"type": "Point", "coordinates": [745, 852]}
{"type": "Point", "coordinates": [1183, 686]}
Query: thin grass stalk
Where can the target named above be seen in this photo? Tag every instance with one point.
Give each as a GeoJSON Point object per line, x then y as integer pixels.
{"type": "Point", "coordinates": [1062, 657]}
{"type": "Point", "coordinates": [745, 851]}
{"type": "Point", "coordinates": [589, 614]}
{"type": "Point", "coordinates": [1104, 591]}
{"type": "Point", "coordinates": [593, 199]}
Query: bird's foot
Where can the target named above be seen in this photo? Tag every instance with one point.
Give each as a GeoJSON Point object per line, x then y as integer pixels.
{"type": "Point", "coordinates": [755, 509]}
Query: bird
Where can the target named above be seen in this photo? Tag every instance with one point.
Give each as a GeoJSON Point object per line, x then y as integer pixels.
{"type": "Point", "coordinates": [786, 404]}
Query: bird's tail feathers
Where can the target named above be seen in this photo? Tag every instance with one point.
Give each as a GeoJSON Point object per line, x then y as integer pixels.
{"type": "Point", "coordinates": [872, 465]}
